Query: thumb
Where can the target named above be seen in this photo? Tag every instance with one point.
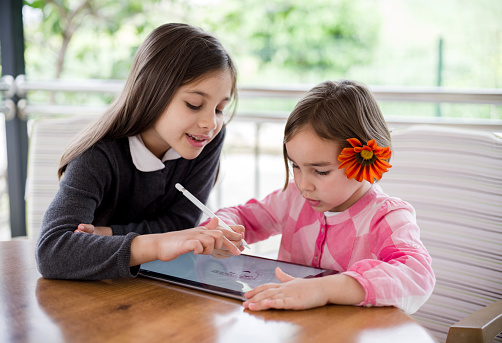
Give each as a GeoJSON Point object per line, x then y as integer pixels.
{"type": "Point", "coordinates": [213, 224]}
{"type": "Point", "coordinates": [282, 276]}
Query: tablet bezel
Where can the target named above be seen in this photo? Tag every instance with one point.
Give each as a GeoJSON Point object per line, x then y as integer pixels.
{"type": "Point", "coordinates": [226, 292]}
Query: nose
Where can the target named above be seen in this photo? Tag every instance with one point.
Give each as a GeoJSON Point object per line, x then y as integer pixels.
{"type": "Point", "coordinates": [304, 183]}
{"type": "Point", "coordinates": [208, 120]}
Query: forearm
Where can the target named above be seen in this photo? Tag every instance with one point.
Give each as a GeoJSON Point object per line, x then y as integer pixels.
{"type": "Point", "coordinates": [66, 255]}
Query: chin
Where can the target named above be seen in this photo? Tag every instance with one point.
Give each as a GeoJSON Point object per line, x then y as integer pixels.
{"type": "Point", "coordinates": [320, 209]}
{"type": "Point", "coordinates": [190, 155]}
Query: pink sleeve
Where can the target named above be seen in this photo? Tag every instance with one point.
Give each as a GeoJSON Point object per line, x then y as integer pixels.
{"type": "Point", "coordinates": [401, 274]}
{"type": "Point", "coordinates": [260, 218]}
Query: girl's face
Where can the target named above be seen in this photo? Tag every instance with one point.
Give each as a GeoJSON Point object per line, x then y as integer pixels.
{"type": "Point", "coordinates": [193, 117]}
{"type": "Point", "coordinates": [315, 168]}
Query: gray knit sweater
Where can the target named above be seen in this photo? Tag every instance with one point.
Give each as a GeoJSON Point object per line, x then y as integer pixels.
{"type": "Point", "coordinates": [103, 187]}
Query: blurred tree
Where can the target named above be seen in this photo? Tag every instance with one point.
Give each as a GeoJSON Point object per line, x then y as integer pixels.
{"type": "Point", "coordinates": [63, 18]}
{"type": "Point", "coordinates": [304, 35]}
{"type": "Point", "coordinates": [294, 34]}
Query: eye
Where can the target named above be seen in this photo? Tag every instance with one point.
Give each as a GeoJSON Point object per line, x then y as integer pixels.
{"type": "Point", "coordinates": [193, 107]}
{"type": "Point", "coordinates": [322, 173]}
{"type": "Point", "coordinates": [294, 165]}
{"type": "Point", "coordinates": [217, 111]}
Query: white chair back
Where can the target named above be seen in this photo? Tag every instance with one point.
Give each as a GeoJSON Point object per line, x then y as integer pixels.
{"type": "Point", "coordinates": [48, 139]}
{"type": "Point", "coordinates": [453, 178]}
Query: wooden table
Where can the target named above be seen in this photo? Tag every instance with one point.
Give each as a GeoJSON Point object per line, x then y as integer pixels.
{"type": "Point", "coordinates": [34, 309]}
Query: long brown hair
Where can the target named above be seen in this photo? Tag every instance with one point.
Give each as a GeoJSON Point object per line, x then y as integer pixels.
{"type": "Point", "coordinates": [172, 56]}
{"type": "Point", "coordinates": [336, 111]}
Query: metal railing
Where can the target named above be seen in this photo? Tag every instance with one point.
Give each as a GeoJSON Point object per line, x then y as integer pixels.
{"type": "Point", "coordinates": [384, 93]}
{"type": "Point", "coordinates": [20, 88]}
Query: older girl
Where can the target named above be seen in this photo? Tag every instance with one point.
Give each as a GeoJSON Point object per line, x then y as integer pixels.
{"type": "Point", "coordinates": [119, 174]}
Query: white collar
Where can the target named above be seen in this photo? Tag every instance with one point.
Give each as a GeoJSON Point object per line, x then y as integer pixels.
{"type": "Point", "coordinates": [144, 160]}
{"type": "Point", "coordinates": [331, 214]}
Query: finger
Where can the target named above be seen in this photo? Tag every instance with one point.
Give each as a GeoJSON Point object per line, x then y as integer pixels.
{"type": "Point", "coordinates": [212, 224]}
{"type": "Point", "coordinates": [192, 245]}
{"type": "Point", "coordinates": [260, 289]}
{"type": "Point", "coordinates": [221, 254]}
{"type": "Point", "coordinates": [231, 247]}
{"type": "Point", "coordinates": [224, 242]}
{"type": "Point", "coordinates": [220, 239]}
{"type": "Point", "coordinates": [214, 237]}
{"type": "Point", "coordinates": [232, 236]}
{"type": "Point", "coordinates": [282, 276]}
{"type": "Point", "coordinates": [280, 303]}
{"type": "Point", "coordinates": [262, 305]}
{"type": "Point", "coordinates": [239, 229]}
{"type": "Point", "coordinates": [208, 242]}
{"type": "Point", "coordinates": [87, 228]}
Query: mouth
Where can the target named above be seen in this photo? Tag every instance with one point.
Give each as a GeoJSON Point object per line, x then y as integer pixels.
{"type": "Point", "coordinates": [196, 140]}
{"type": "Point", "coordinates": [313, 203]}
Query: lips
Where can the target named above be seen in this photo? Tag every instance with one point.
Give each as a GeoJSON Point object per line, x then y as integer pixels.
{"type": "Point", "coordinates": [197, 141]}
{"type": "Point", "coordinates": [313, 203]}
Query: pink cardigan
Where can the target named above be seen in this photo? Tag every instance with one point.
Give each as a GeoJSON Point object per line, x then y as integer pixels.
{"type": "Point", "coordinates": [376, 241]}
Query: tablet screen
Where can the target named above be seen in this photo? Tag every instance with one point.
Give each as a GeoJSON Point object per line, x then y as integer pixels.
{"type": "Point", "coordinates": [230, 277]}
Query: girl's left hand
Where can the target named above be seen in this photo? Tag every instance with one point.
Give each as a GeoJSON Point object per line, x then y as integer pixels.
{"type": "Point", "coordinates": [292, 293]}
{"type": "Point", "coordinates": [96, 230]}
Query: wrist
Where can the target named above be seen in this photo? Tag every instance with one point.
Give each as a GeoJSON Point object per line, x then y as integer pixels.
{"type": "Point", "coordinates": [143, 249]}
{"type": "Point", "coordinates": [343, 290]}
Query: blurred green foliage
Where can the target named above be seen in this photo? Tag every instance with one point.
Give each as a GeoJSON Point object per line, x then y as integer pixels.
{"type": "Point", "coordinates": [297, 35]}
{"type": "Point", "coordinates": [378, 42]}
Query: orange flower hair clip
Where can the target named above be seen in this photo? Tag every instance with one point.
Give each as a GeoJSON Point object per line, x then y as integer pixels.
{"type": "Point", "coordinates": [364, 161]}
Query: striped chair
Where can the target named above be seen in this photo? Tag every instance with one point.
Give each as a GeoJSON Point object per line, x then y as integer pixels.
{"type": "Point", "coordinates": [48, 139]}
{"type": "Point", "coordinates": [453, 178]}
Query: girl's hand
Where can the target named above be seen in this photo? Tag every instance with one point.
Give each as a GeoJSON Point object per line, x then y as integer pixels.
{"type": "Point", "coordinates": [168, 246]}
{"type": "Point", "coordinates": [292, 293]}
{"type": "Point", "coordinates": [234, 237]}
{"type": "Point", "coordinates": [298, 294]}
{"type": "Point", "coordinates": [96, 230]}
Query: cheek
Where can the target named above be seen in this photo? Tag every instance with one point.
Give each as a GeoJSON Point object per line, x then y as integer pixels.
{"type": "Point", "coordinates": [337, 181]}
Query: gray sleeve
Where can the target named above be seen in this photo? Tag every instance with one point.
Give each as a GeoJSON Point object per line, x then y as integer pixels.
{"type": "Point", "coordinates": [62, 254]}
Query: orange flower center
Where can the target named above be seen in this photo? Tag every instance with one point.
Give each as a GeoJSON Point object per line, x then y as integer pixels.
{"type": "Point", "coordinates": [367, 155]}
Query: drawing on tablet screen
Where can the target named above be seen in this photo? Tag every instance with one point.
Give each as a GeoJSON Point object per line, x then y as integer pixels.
{"type": "Point", "coordinates": [233, 273]}
{"type": "Point", "coordinates": [246, 274]}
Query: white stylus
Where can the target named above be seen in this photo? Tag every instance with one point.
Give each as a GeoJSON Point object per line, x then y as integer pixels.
{"type": "Point", "coordinates": [206, 210]}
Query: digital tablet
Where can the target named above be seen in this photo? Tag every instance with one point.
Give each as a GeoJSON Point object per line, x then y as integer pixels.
{"type": "Point", "coordinates": [230, 277]}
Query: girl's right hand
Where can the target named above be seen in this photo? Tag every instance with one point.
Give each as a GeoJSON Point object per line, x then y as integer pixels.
{"type": "Point", "coordinates": [234, 236]}
{"type": "Point", "coordinates": [168, 246]}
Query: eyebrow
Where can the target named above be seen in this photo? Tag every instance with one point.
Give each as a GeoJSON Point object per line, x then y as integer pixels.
{"type": "Point", "coordinates": [315, 164]}
{"type": "Point", "coordinates": [205, 95]}
{"type": "Point", "coordinates": [318, 164]}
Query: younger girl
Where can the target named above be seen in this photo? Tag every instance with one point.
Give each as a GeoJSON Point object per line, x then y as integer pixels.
{"type": "Point", "coordinates": [333, 215]}
{"type": "Point", "coordinates": [119, 174]}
